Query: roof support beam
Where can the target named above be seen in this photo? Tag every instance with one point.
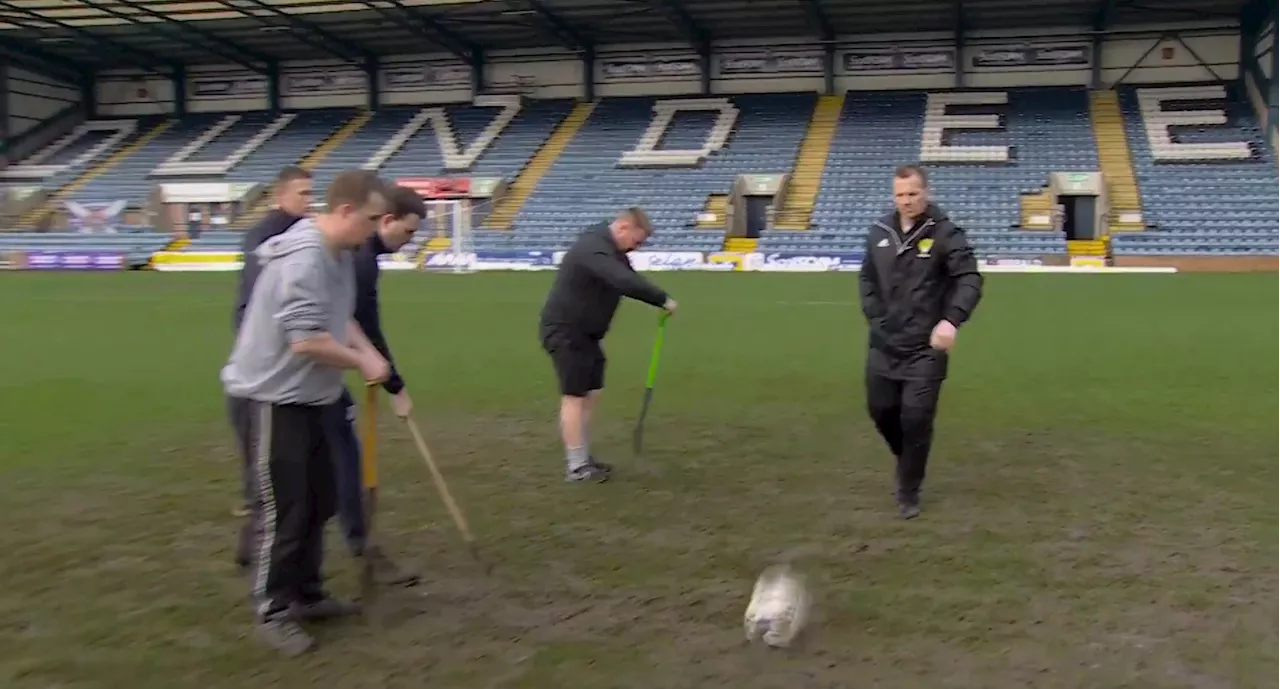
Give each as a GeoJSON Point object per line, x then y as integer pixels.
{"type": "Point", "coordinates": [569, 37]}
{"type": "Point", "coordinates": [1274, 86]}
{"type": "Point", "coordinates": [818, 15]}
{"type": "Point", "coordinates": [1101, 20]}
{"type": "Point", "coordinates": [1196, 56]}
{"type": "Point", "coordinates": [208, 42]}
{"type": "Point", "coordinates": [424, 27]}
{"type": "Point", "coordinates": [675, 12]}
{"type": "Point", "coordinates": [1141, 58]}
{"type": "Point", "coordinates": [958, 40]}
{"type": "Point", "coordinates": [29, 56]}
{"type": "Point", "coordinates": [134, 56]}
{"type": "Point", "coordinates": [1253, 15]}
{"type": "Point", "coordinates": [309, 33]}
{"type": "Point", "coordinates": [438, 27]}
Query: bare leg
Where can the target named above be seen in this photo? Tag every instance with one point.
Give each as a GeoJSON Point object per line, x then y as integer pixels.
{"type": "Point", "coordinates": [574, 412]}
{"type": "Point", "coordinates": [588, 412]}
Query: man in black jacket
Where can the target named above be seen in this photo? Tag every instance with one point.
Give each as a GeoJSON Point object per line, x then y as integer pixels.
{"type": "Point", "coordinates": [919, 284]}
{"type": "Point", "coordinates": [293, 192]}
{"type": "Point", "coordinates": [593, 277]}
{"type": "Point", "coordinates": [395, 229]}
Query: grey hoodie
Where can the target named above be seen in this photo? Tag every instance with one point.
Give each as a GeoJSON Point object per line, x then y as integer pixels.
{"type": "Point", "coordinates": [303, 291]}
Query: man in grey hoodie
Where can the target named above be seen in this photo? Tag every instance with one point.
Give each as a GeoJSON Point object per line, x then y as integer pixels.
{"type": "Point", "coordinates": [296, 342]}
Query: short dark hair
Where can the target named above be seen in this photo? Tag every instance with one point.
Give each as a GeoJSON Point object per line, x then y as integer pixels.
{"type": "Point", "coordinates": [638, 217]}
{"type": "Point", "coordinates": [353, 187]}
{"type": "Point", "coordinates": [909, 171]}
{"type": "Point", "coordinates": [290, 173]}
{"type": "Point", "coordinates": [405, 201]}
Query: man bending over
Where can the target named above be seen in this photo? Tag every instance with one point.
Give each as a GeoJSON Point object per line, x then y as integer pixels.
{"type": "Point", "coordinates": [593, 277]}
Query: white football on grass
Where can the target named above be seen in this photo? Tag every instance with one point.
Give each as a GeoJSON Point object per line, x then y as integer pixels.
{"type": "Point", "coordinates": [779, 607]}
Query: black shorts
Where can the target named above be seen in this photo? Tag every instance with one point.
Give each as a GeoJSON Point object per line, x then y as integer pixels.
{"type": "Point", "coordinates": [578, 361]}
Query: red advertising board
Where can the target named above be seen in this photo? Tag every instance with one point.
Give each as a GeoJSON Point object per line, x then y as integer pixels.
{"type": "Point", "coordinates": [438, 187]}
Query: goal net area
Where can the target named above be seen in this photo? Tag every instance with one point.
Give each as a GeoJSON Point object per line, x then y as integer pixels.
{"type": "Point", "coordinates": [447, 234]}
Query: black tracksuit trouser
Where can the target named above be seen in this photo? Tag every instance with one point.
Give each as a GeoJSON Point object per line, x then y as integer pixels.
{"type": "Point", "coordinates": [346, 456]}
{"type": "Point", "coordinates": [295, 497]}
{"type": "Point", "coordinates": [904, 412]}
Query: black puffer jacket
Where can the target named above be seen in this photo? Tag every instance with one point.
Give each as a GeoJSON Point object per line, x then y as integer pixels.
{"type": "Point", "coordinates": [909, 282]}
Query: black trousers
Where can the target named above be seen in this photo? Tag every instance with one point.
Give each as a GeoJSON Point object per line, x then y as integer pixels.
{"type": "Point", "coordinates": [240, 414]}
{"type": "Point", "coordinates": [346, 457]}
{"type": "Point", "coordinates": [903, 412]}
{"type": "Point", "coordinates": [295, 497]}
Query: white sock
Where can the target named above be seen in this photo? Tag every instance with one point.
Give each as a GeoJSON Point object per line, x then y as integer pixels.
{"type": "Point", "coordinates": [576, 457]}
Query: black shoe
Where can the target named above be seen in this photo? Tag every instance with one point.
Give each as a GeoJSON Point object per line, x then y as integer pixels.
{"type": "Point", "coordinates": [285, 635]}
{"type": "Point", "coordinates": [386, 571]}
{"type": "Point", "coordinates": [587, 472]}
{"type": "Point", "coordinates": [321, 609]}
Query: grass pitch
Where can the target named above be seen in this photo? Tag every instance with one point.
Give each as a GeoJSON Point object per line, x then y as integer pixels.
{"type": "Point", "coordinates": [1099, 510]}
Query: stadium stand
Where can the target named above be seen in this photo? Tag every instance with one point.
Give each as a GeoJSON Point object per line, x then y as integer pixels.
{"type": "Point", "coordinates": [590, 180]}
{"type": "Point", "coordinates": [1202, 191]}
{"type": "Point", "coordinates": [227, 240]}
{"type": "Point", "coordinates": [137, 247]}
{"type": "Point", "coordinates": [1208, 184]}
{"type": "Point", "coordinates": [1044, 130]}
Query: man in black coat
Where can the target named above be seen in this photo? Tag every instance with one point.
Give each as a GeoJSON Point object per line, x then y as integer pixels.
{"type": "Point", "coordinates": [592, 278]}
{"type": "Point", "coordinates": [293, 193]}
{"type": "Point", "coordinates": [919, 284]}
{"type": "Point", "coordinates": [395, 229]}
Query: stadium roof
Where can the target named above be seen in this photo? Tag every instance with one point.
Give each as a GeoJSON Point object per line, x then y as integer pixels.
{"type": "Point", "coordinates": [75, 36]}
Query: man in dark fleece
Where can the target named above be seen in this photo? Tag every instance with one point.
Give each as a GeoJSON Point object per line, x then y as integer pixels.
{"type": "Point", "coordinates": [297, 340]}
{"type": "Point", "coordinates": [593, 277]}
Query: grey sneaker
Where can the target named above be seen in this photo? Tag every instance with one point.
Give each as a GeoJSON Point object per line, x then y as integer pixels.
{"type": "Point", "coordinates": [908, 505]}
{"type": "Point", "coordinates": [285, 635]}
{"type": "Point", "coordinates": [322, 609]}
{"type": "Point", "coordinates": [587, 472]}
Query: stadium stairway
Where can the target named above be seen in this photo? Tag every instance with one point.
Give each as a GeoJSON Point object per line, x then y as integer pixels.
{"type": "Point", "coordinates": [505, 210]}
{"type": "Point", "coordinates": [436, 244]}
{"type": "Point", "coordinates": [1087, 248]}
{"type": "Point", "coordinates": [740, 244]}
{"type": "Point", "coordinates": [1212, 203]}
{"type": "Point", "coordinates": [1035, 211]}
{"type": "Point", "coordinates": [312, 159]}
{"type": "Point", "coordinates": [33, 217]}
{"type": "Point", "coordinates": [176, 244]}
{"type": "Point", "coordinates": [718, 206]}
{"type": "Point", "coordinates": [1115, 161]}
{"type": "Point", "coordinates": [806, 176]}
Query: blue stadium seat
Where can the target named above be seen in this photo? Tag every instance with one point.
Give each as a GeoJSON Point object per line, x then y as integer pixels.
{"type": "Point", "coordinates": [1213, 207]}
{"type": "Point", "coordinates": [586, 185]}
{"type": "Point", "coordinates": [1048, 131]}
